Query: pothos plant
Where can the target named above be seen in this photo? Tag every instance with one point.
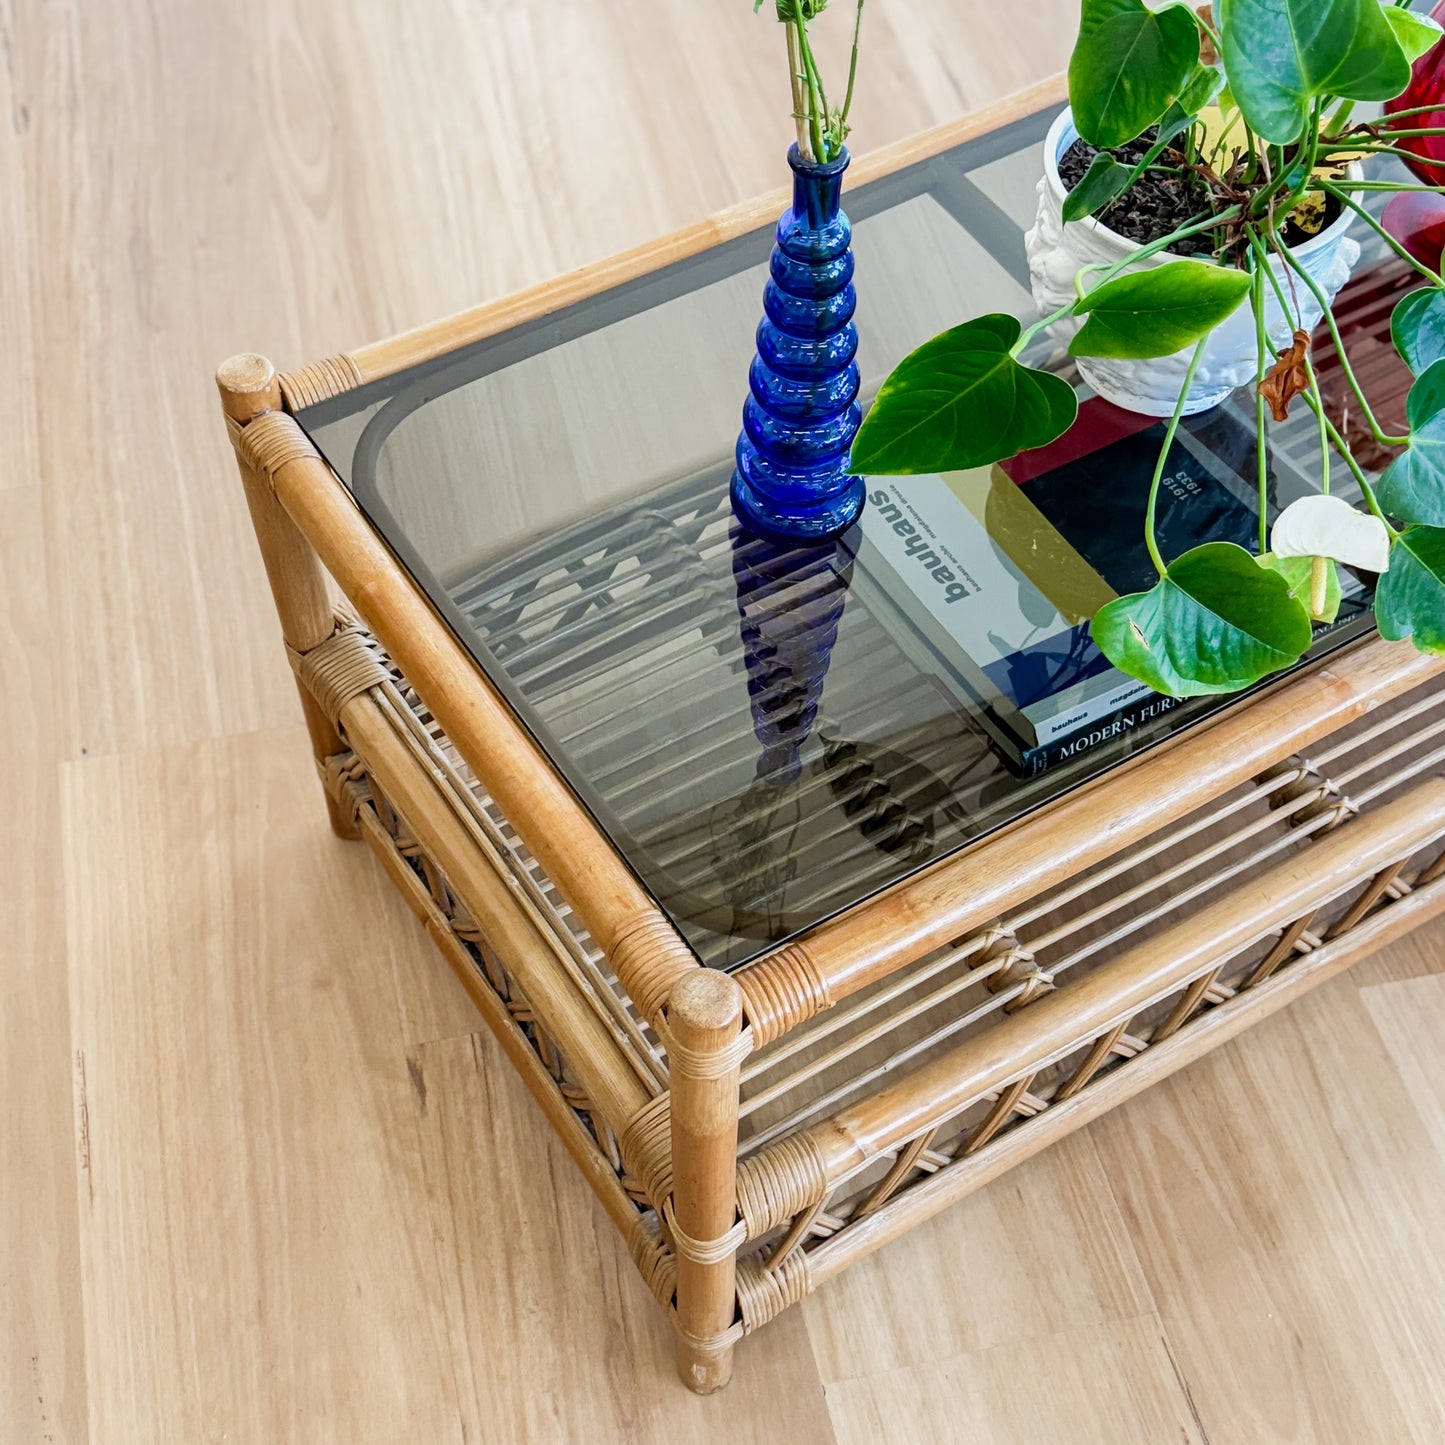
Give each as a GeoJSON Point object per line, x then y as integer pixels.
{"type": "Point", "coordinates": [821, 128]}
{"type": "Point", "coordinates": [1251, 104]}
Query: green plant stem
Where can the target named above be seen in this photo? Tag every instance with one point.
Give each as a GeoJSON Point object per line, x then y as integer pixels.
{"type": "Point", "coordinates": [1263, 202]}
{"type": "Point", "coordinates": [815, 76]}
{"type": "Point", "coordinates": [1288, 304]}
{"type": "Point", "coordinates": [817, 101]}
{"type": "Point", "coordinates": [1042, 324]}
{"type": "Point", "coordinates": [1316, 402]}
{"type": "Point", "coordinates": [800, 99]}
{"type": "Point", "coordinates": [852, 71]}
{"type": "Point", "coordinates": [1343, 448]}
{"type": "Point", "coordinates": [1391, 134]}
{"type": "Point", "coordinates": [817, 104]}
{"type": "Point", "coordinates": [1402, 188]}
{"type": "Point", "coordinates": [1261, 422]}
{"type": "Point", "coordinates": [1261, 260]}
{"type": "Point", "coordinates": [1222, 143]}
{"type": "Point", "coordinates": [1314, 287]}
{"type": "Point", "coordinates": [1314, 134]}
{"type": "Point", "coordinates": [1289, 307]}
{"type": "Point", "coordinates": [1387, 150]}
{"type": "Point", "coordinates": [1251, 149]}
{"type": "Point", "coordinates": [1150, 538]}
{"type": "Point", "coordinates": [1206, 223]}
{"type": "Point", "coordinates": [1406, 114]}
{"type": "Point", "coordinates": [1324, 434]}
{"type": "Point", "coordinates": [1345, 199]}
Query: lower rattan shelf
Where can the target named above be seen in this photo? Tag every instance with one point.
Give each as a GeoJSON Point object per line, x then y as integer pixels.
{"type": "Point", "coordinates": [873, 1115]}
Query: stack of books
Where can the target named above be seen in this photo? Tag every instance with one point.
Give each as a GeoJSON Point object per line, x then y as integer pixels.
{"type": "Point", "coordinates": [994, 574]}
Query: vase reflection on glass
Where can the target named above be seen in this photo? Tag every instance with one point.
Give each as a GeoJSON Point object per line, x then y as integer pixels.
{"type": "Point", "coordinates": [792, 481]}
{"type": "Point", "coordinates": [790, 605]}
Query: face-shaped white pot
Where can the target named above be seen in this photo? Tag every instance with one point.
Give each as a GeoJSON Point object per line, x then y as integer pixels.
{"type": "Point", "coordinates": [1057, 250]}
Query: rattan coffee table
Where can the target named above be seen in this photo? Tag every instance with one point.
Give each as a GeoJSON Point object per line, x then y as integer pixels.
{"type": "Point", "coordinates": [788, 956]}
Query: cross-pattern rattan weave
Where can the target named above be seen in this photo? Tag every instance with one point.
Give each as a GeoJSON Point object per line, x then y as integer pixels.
{"type": "Point", "coordinates": [751, 1135]}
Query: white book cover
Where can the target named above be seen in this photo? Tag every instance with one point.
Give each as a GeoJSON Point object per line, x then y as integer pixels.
{"type": "Point", "coordinates": [966, 583]}
{"type": "Point", "coordinates": [980, 610]}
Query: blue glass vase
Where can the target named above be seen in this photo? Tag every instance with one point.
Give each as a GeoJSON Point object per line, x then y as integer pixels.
{"type": "Point", "coordinates": [792, 481]}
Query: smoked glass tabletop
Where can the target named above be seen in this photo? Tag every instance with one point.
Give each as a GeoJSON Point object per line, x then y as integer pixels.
{"type": "Point", "coordinates": [771, 736]}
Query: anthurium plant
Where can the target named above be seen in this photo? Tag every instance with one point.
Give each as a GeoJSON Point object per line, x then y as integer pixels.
{"type": "Point", "coordinates": [1251, 105]}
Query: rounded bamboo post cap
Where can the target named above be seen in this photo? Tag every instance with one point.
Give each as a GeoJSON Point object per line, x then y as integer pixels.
{"type": "Point", "coordinates": [248, 385]}
{"type": "Point", "coordinates": [705, 1001]}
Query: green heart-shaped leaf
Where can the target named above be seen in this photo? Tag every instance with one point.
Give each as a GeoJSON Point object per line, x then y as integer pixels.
{"type": "Point", "coordinates": [1202, 88]}
{"type": "Point", "coordinates": [1129, 64]}
{"type": "Point", "coordinates": [1216, 622]}
{"type": "Point", "coordinates": [1298, 572]}
{"type": "Point", "coordinates": [1417, 34]}
{"type": "Point", "coordinates": [1418, 327]}
{"type": "Point", "coordinates": [1282, 55]}
{"type": "Point", "coordinates": [962, 401]}
{"type": "Point", "coordinates": [1158, 312]}
{"type": "Point", "coordinates": [1413, 487]}
{"type": "Point", "coordinates": [1410, 600]}
{"type": "Point", "coordinates": [1104, 180]}
{"type": "Point", "coordinates": [1427, 396]}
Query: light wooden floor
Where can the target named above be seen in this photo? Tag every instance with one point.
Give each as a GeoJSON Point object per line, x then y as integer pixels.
{"type": "Point", "coordinates": [250, 1141]}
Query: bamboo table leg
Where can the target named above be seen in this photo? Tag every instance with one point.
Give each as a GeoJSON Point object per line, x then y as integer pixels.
{"type": "Point", "coordinates": [249, 388]}
{"type": "Point", "coordinates": [704, 1021]}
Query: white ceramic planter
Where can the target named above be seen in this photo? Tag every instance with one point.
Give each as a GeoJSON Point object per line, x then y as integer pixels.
{"type": "Point", "coordinates": [1057, 250]}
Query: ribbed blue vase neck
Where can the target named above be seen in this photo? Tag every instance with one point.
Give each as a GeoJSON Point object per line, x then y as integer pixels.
{"type": "Point", "coordinates": [817, 188]}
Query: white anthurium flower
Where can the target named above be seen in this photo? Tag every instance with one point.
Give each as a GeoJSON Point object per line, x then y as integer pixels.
{"type": "Point", "coordinates": [1331, 527]}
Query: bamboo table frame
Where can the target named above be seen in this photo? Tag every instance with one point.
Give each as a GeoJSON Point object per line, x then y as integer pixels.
{"type": "Point", "coordinates": [645, 1062]}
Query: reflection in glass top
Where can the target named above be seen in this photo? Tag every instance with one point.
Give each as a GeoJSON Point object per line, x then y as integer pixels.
{"type": "Point", "coordinates": [771, 736]}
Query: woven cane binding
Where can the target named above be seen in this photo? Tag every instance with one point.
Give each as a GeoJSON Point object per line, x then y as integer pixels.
{"type": "Point", "coordinates": [343, 667]}
{"type": "Point", "coordinates": [319, 382]}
